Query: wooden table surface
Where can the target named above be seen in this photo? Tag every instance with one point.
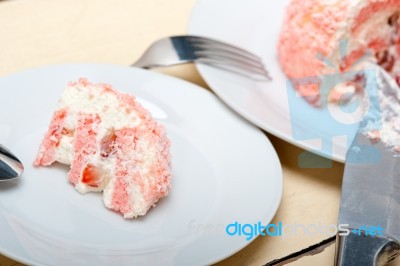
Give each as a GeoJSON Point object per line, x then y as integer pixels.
{"type": "Point", "coordinates": [41, 32]}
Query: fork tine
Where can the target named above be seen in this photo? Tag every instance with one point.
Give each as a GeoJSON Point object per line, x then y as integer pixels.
{"type": "Point", "coordinates": [229, 59]}
{"type": "Point", "coordinates": [256, 74]}
{"type": "Point", "coordinates": [228, 55]}
{"type": "Point", "coordinates": [233, 64]}
{"type": "Point", "coordinates": [205, 49]}
{"type": "Point", "coordinates": [222, 45]}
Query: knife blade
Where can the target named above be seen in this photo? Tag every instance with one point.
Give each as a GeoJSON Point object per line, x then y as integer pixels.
{"type": "Point", "coordinates": [370, 200]}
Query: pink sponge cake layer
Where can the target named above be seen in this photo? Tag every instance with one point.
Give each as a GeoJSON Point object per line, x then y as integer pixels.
{"type": "Point", "coordinates": [314, 28]}
{"type": "Point", "coordinates": [112, 144]}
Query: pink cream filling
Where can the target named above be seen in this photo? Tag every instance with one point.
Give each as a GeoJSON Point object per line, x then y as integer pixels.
{"type": "Point", "coordinates": [123, 170]}
{"type": "Point", "coordinates": [47, 150]}
{"type": "Point", "coordinates": [85, 144]}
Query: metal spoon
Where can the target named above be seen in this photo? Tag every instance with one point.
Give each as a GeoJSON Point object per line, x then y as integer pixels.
{"type": "Point", "coordinates": [10, 166]}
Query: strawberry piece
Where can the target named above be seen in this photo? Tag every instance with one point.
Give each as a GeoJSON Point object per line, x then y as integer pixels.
{"type": "Point", "coordinates": [91, 176]}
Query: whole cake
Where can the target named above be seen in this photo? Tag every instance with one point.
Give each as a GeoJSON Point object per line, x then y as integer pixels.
{"type": "Point", "coordinates": [312, 31]}
{"type": "Point", "coordinates": [112, 144]}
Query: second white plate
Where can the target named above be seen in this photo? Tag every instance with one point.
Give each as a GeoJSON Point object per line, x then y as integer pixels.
{"type": "Point", "coordinates": [273, 106]}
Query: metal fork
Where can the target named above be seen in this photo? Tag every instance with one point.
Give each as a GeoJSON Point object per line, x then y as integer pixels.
{"type": "Point", "coordinates": [187, 49]}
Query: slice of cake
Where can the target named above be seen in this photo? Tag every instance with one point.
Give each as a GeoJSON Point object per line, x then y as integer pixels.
{"type": "Point", "coordinates": [112, 144]}
{"type": "Point", "coordinates": [313, 29]}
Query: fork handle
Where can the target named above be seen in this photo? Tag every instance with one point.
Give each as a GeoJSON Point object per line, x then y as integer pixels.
{"type": "Point", "coordinates": [158, 50]}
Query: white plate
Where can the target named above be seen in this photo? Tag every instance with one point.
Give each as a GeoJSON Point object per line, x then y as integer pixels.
{"type": "Point", "coordinates": [255, 26]}
{"type": "Point", "coordinates": [224, 170]}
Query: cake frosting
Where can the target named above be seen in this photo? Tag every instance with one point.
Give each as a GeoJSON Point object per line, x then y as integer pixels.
{"type": "Point", "coordinates": [313, 29]}
{"type": "Point", "coordinates": [112, 144]}
{"type": "Point", "coordinates": [384, 125]}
